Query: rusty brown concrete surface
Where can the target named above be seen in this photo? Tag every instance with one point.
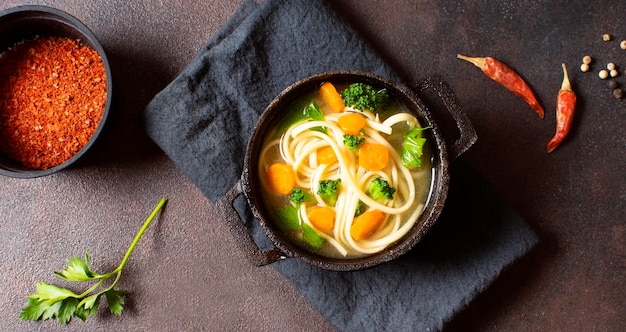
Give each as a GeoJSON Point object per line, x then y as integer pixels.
{"type": "Point", "coordinates": [574, 198]}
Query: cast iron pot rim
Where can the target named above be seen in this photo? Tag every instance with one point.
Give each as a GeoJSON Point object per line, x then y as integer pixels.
{"type": "Point", "coordinates": [434, 204]}
{"type": "Point", "coordinates": [53, 15]}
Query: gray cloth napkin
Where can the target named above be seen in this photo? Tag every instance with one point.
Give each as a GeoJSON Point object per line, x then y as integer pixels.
{"type": "Point", "coordinates": [204, 118]}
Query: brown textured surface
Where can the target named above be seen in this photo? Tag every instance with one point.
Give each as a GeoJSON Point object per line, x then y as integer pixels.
{"type": "Point", "coordinates": [186, 274]}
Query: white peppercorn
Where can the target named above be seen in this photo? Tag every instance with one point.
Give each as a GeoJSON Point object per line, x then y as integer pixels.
{"type": "Point", "coordinates": [584, 67]}
{"type": "Point", "coordinates": [622, 45]}
{"type": "Point", "coordinates": [586, 59]}
{"type": "Point", "coordinates": [610, 66]}
{"type": "Point", "coordinates": [603, 74]}
{"type": "Point", "coordinates": [613, 73]}
{"type": "Point", "coordinates": [606, 37]}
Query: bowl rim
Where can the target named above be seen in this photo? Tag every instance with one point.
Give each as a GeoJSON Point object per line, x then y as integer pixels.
{"type": "Point", "coordinates": [46, 13]}
{"type": "Point", "coordinates": [432, 209]}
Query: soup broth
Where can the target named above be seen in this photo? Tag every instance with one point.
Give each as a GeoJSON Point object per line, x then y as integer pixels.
{"type": "Point", "coordinates": [336, 183]}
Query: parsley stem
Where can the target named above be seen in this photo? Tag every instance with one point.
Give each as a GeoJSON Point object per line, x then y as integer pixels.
{"type": "Point", "coordinates": [93, 288]}
{"type": "Point", "coordinates": [118, 270]}
{"type": "Point", "coordinates": [117, 278]}
{"type": "Point", "coordinates": [100, 282]}
{"type": "Point", "coordinates": [138, 236]}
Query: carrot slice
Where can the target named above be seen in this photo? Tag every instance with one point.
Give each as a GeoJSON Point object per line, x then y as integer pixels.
{"type": "Point", "coordinates": [352, 123]}
{"type": "Point", "coordinates": [331, 97]}
{"type": "Point", "coordinates": [365, 224]}
{"type": "Point", "coordinates": [281, 178]}
{"type": "Point", "coordinates": [326, 155]}
{"type": "Point", "coordinates": [373, 156]}
{"type": "Point", "coordinates": [322, 217]}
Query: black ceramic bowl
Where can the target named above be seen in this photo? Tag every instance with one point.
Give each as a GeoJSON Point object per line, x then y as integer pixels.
{"type": "Point", "coordinates": [26, 23]}
{"type": "Point", "coordinates": [250, 184]}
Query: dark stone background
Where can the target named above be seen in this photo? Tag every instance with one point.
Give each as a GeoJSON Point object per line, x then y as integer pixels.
{"type": "Point", "coordinates": [187, 273]}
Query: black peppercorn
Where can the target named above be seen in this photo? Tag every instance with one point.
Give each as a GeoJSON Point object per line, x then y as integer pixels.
{"type": "Point", "coordinates": [618, 93]}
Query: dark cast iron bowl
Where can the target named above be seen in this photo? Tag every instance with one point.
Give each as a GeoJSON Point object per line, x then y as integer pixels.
{"type": "Point", "coordinates": [250, 184]}
{"type": "Point", "coordinates": [27, 22]}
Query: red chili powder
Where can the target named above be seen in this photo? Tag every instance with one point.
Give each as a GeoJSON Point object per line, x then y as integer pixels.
{"type": "Point", "coordinates": [52, 96]}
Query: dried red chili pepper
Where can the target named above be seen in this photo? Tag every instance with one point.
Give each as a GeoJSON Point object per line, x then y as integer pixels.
{"type": "Point", "coordinates": [506, 77]}
{"type": "Point", "coordinates": [565, 105]}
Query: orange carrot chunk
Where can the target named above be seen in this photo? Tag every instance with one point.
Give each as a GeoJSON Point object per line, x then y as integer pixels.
{"type": "Point", "coordinates": [365, 224]}
{"type": "Point", "coordinates": [352, 123]}
{"type": "Point", "coordinates": [373, 156]}
{"type": "Point", "coordinates": [331, 97]}
{"type": "Point", "coordinates": [281, 178]}
{"type": "Point", "coordinates": [323, 218]}
{"type": "Point", "coordinates": [326, 155]}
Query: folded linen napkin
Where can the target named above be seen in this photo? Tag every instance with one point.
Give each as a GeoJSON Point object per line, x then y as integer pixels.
{"type": "Point", "coordinates": [204, 118]}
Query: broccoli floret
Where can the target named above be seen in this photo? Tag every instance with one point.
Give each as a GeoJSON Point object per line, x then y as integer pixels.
{"type": "Point", "coordinates": [380, 189]}
{"type": "Point", "coordinates": [364, 97]}
{"type": "Point", "coordinates": [353, 142]}
{"type": "Point", "coordinates": [329, 190]}
{"type": "Point", "coordinates": [360, 208]}
{"type": "Point", "coordinates": [299, 196]}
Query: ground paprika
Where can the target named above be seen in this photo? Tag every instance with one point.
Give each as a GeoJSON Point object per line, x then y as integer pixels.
{"type": "Point", "coordinates": [52, 96]}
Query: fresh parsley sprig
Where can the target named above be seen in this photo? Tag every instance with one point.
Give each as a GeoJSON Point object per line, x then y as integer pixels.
{"type": "Point", "coordinates": [52, 301]}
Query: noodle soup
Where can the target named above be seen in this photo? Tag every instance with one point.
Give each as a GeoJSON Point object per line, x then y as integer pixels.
{"type": "Point", "coordinates": [342, 178]}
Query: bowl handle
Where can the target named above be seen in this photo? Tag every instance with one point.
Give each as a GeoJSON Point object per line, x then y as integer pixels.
{"type": "Point", "coordinates": [466, 132]}
{"type": "Point", "coordinates": [245, 241]}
